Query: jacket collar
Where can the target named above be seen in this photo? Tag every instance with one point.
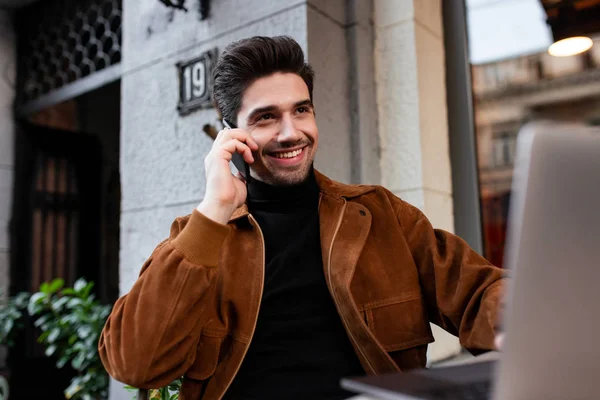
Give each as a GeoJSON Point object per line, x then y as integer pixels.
{"type": "Point", "coordinates": [337, 189]}
{"type": "Point", "coordinates": [326, 186]}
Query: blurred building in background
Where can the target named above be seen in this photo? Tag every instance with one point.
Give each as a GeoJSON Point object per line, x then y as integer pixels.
{"type": "Point", "coordinates": [511, 92]}
{"type": "Point", "coordinates": [104, 114]}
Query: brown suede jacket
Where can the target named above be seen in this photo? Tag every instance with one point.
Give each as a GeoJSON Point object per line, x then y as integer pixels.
{"type": "Point", "coordinates": [194, 307]}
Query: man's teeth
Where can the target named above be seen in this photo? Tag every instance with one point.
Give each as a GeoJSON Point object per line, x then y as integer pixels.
{"type": "Point", "coordinates": [289, 154]}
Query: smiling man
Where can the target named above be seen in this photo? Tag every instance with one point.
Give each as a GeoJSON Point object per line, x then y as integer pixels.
{"type": "Point", "coordinates": [279, 286]}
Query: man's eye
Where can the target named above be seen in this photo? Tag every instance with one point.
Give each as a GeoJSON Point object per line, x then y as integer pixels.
{"type": "Point", "coordinates": [265, 117]}
{"type": "Point", "coordinates": [302, 109]}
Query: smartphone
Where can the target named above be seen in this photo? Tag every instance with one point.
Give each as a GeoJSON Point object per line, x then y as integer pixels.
{"type": "Point", "coordinates": [236, 158]}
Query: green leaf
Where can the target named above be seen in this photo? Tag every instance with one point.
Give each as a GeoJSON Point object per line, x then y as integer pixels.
{"type": "Point", "coordinates": [35, 306]}
{"type": "Point", "coordinates": [8, 325]}
{"type": "Point", "coordinates": [38, 298]}
{"type": "Point", "coordinates": [68, 292]}
{"type": "Point", "coordinates": [79, 346]}
{"type": "Point", "coordinates": [62, 362]}
{"type": "Point", "coordinates": [54, 334]}
{"type": "Point", "coordinates": [56, 285]}
{"type": "Point", "coordinates": [69, 319]}
{"type": "Point", "coordinates": [50, 350]}
{"type": "Point", "coordinates": [42, 320]}
{"type": "Point", "coordinates": [175, 385]}
{"type": "Point", "coordinates": [73, 388]}
{"type": "Point", "coordinates": [80, 285]}
{"type": "Point", "coordinates": [74, 302]}
{"type": "Point", "coordinates": [72, 339]}
{"type": "Point", "coordinates": [45, 287]}
{"type": "Point", "coordinates": [84, 331]}
{"type": "Point", "coordinates": [88, 288]}
{"type": "Point", "coordinates": [21, 300]}
{"type": "Point", "coordinates": [77, 362]}
{"type": "Point", "coordinates": [59, 303]}
{"type": "Point", "coordinates": [42, 338]}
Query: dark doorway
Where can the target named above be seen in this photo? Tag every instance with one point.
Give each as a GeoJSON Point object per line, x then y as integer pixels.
{"type": "Point", "coordinates": [65, 218]}
{"type": "Point", "coordinates": [56, 234]}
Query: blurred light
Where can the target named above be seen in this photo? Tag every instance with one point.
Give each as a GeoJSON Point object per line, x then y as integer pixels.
{"type": "Point", "coordinates": [570, 46]}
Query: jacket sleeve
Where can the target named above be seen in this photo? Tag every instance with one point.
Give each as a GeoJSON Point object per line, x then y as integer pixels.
{"type": "Point", "coordinates": [148, 339]}
{"type": "Point", "coordinates": [463, 291]}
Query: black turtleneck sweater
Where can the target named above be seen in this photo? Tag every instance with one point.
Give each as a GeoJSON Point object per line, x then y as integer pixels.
{"type": "Point", "coordinates": [300, 349]}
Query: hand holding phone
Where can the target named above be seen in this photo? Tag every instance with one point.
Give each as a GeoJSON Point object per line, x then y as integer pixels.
{"type": "Point", "coordinates": [224, 191]}
{"type": "Point", "coordinates": [238, 159]}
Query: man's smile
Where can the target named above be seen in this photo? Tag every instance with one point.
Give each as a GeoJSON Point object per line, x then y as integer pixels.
{"type": "Point", "coordinates": [288, 157]}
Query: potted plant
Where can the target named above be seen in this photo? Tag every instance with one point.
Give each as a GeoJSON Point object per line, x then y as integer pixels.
{"type": "Point", "coordinates": [70, 321]}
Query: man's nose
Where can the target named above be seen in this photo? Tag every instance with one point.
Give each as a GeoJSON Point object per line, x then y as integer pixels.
{"type": "Point", "coordinates": [288, 131]}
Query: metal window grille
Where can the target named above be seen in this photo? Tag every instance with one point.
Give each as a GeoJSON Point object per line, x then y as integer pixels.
{"type": "Point", "coordinates": [62, 41]}
{"type": "Point", "coordinates": [55, 218]}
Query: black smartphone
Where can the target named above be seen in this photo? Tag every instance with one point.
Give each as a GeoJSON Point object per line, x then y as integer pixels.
{"type": "Point", "coordinates": [236, 158]}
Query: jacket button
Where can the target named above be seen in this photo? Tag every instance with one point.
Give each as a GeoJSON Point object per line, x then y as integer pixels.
{"type": "Point", "coordinates": [362, 212]}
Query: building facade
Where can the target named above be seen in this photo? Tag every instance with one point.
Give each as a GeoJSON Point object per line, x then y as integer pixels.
{"type": "Point", "coordinates": [509, 93]}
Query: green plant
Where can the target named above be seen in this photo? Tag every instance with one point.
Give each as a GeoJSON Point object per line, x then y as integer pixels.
{"type": "Point", "coordinates": [169, 392]}
{"type": "Point", "coordinates": [70, 321]}
{"type": "Point", "coordinates": [11, 317]}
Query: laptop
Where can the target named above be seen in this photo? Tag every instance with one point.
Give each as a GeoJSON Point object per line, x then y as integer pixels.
{"type": "Point", "coordinates": [551, 347]}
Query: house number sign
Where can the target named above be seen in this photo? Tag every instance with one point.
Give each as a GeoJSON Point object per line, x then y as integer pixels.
{"type": "Point", "coordinates": [195, 82]}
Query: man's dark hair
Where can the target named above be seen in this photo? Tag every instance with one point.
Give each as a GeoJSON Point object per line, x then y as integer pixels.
{"type": "Point", "coordinates": [247, 60]}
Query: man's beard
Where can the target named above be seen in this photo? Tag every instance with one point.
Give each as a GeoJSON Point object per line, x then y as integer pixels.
{"type": "Point", "coordinates": [285, 179]}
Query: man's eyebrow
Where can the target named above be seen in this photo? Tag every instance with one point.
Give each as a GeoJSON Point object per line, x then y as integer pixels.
{"type": "Point", "coordinates": [301, 103]}
{"type": "Point", "coordinates": [260, 110]}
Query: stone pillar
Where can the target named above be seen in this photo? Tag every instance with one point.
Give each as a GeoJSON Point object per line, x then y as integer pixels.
{"type": "Point", "coordinates": [328, 54]}
{"type": "Point", "coordinates": [411, 101]}
{"type": "Point", "coordinates": [7, 94]}
{"type": "Point", "coordinates": [340, 48]}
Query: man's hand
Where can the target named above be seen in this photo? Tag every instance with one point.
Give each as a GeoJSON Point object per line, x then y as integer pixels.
{"type": "Point", "coordinates": [224, 191]}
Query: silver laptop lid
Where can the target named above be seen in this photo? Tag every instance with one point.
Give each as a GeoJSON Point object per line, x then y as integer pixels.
{"type": "Point", "coordinates": [552, 348]}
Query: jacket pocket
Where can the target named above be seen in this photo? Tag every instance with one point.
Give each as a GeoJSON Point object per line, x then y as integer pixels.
{"type": "Point", "coordinates": [399, 323]}
{"type": "Point", "coordinates": [207, 356]}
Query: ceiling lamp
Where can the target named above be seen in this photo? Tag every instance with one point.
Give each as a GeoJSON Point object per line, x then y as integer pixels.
{"type": "Point", "coordinates": [572, 22]}
{"type": "Point", "coordinates": [570, 46]}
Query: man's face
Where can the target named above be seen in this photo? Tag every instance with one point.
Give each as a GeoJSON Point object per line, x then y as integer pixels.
{"type": "Point", "coordinates": [277, 112]}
